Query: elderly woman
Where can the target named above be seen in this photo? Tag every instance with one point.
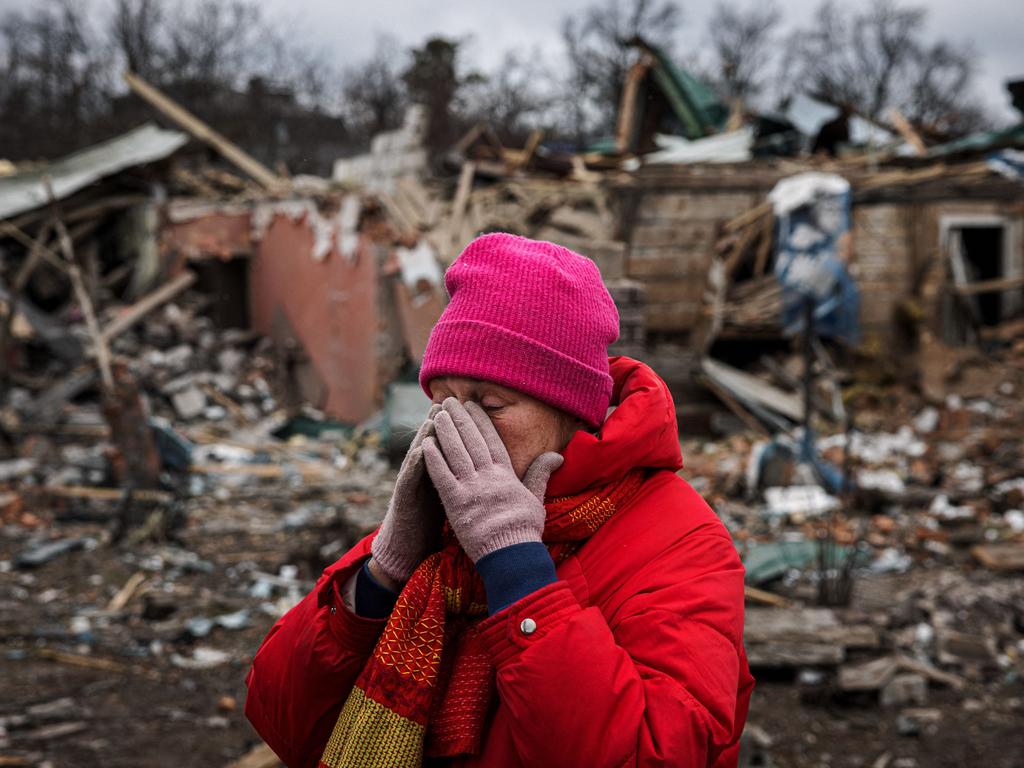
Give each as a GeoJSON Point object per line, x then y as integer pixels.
{"type": "Point", "coordinates": [544, 589]}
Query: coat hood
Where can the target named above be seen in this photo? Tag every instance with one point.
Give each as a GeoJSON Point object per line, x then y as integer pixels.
{"type": "Point", "coordinates": [641, 431]}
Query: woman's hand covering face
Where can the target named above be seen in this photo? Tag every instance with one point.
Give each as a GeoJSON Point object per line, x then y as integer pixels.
{"type": "Point", "coordinates": [412, 523]}
{"type": "Point", "coordinates": [487, 505]}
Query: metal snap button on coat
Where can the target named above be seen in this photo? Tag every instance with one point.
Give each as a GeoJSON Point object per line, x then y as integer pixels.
{"type": "Point", "coordinates": [334, 609]}
{"type": "Point", "coordinates": [528, 626]}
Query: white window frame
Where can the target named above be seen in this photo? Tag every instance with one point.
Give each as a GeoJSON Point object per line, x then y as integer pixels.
{"type": "Point", "coordinates": [1013, 259]}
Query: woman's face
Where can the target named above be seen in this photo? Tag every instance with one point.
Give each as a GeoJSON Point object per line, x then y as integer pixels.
{"type": "Point", "coordinates": [526, 426]}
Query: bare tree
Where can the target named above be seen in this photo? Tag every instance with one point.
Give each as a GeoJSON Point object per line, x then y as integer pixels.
{"type": "Point", "coordinates": [878, 59]}
{"type": "Point", "coordinates": [742, 47]}
{"type": "Point", "coordinates": [53, 78]}
{"type": "Point", "coordinates": [136, 28]}
{"type": "Point", "coordinates": [513, 98]}
{"type": "Point", "coordinates": [936, 96]}
{"type": "Point", "coordinates": [597, 46]}
{"type": "Point", "coordinates": [374, 92]}
{"type": "Point", "coordinates": [216, 41]}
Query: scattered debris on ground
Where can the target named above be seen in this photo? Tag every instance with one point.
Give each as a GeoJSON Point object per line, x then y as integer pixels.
{"type": "Point", "coordinates": [205, 379]}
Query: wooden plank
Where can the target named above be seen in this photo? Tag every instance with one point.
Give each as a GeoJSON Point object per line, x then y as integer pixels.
{"type": "Point", "coordinates": [784, 637]}
{"type": "Point", "coordinates": [662, 261]}
{"type": "Point", "coordinates": [989, 286]}
{"type": "Point", "coordinates": [783, 654]}
{"type": "Point", "coordinates": [694, 205]}
{"type": "Point", "coordinates": [932, 673]}
{"type": "Point", "coordinates": [688, 289]}
{"type": "Point", "coordinates": [626, 124]}
{"type": "Point", "coordinates": [200, 130]}
{"type": "Point", "coordinates": [694, 235]}
{"type": "Point", "coordinates": [764, 597]}
{"type": "Point", "coordinates": [739, 411]}
{"type": "Point", "coordinates": [672, 317]}
{"type": "Point", "coordinates": [260, 756]}
{"type": "Point", "coordinates": [526, 153]}
{"type": "Point", "coordinates": [92, 325]}
{"type": "Point", "coordinates": [47, 255]}
{"type": "Point", "coordinates": [868, 676]}
{"type": "Point", "coordinates": [764, 248]}
{"type": "Point", "coordinates": [33, 259]}
{"type": "Point", "coordinates": [747, 387]}
{"type": "Point", "coordinates": [1005, 556]}
{"type": "Point", "coordinates": [459, 206]}
{"type": "Point", "coordinates": [105, 494]}
{"type": "Point", "coordinates": [907, 131]}
{"type": "Point", "coordinates": [747, 217]}
{"type": "Point", "coordinates": [125, 593]}
{"type": "Point", "coordinates": [146, 305]}
{"type": "Point", "coordinates": [1007, 331]}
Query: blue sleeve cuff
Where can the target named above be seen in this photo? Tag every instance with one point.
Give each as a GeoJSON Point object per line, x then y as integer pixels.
{"type": "Point", "coordinates": [373, 599]}
{"type": "Point", "coordinates": [511, 573]}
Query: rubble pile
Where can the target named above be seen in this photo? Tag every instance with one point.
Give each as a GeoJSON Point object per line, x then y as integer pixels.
{"type": "Point", "coordinates": [118, 599]}
{"type": "Point", "coordinates": [167, 490]}
{"type": "Point", "coordinates": [929, 540]}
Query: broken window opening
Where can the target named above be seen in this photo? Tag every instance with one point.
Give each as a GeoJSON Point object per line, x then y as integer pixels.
{"type": "Point", "coordinates": [986, 271]}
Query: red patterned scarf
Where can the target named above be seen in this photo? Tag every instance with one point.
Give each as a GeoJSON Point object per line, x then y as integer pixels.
{"type": "Point", "coordinates": [426, 688]}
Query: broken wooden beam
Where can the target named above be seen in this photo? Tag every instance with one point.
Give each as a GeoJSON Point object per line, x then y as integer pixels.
{"type": "Point", "coordinates": [200, 130]}
{"type": "Point", "coordinates": [1006, 556]}
{"type": "Point", "coordinates": [763, 597]}
{"type": "Point", "coordinates": [907, 131]}
{"type": "Point", "coordinates": [105, 494]}
{"type": "Point", "coordinates": [147, 304]}
{"type": "Point", "coordinates": [92, 325]}
{"type": "Point", "coordinates": [794, 637]}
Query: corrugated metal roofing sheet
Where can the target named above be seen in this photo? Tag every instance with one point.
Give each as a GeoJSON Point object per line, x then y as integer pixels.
{"type": "Point", "coordinates": [146, 144]}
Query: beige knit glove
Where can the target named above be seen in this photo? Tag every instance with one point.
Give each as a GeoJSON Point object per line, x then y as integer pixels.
{"type": "Point", "coordinates": [413, 520]}
{"type": "Point", "coordinates": [486, 504]}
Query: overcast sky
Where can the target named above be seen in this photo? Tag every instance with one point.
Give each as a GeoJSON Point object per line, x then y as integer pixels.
{"type": "Point", "coordinates": [347, 29]}
{"type": "Point", "coordinates": [994, 28]}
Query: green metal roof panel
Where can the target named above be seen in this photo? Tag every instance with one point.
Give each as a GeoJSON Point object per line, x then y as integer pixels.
{"type": "Point", "coordinates": [696, 105]}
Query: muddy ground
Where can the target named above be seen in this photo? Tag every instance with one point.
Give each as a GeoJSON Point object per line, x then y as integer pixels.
{"type": "Point", "coordinates": [146, 707]}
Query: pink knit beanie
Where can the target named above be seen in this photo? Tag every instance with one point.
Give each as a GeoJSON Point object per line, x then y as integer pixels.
{"type": "Point", "coordinates": [530, 315]}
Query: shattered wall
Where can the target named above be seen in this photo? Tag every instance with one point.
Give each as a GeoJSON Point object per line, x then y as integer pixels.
{"type": "Point", "coordinates": [330, 305]}
{"type": "Point", "coordinates": [315, 286]}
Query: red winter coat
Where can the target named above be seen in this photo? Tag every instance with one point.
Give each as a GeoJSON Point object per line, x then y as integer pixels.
{"type": "Point", "coordinates": [637, 658]}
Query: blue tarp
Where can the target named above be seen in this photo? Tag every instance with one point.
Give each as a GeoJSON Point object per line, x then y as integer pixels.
{"type": "Point", "coordinates": [812, 216]}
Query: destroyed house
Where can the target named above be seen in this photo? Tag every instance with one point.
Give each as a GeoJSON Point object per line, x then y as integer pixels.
{"type": "Point", "coordinates": [946, 238]}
